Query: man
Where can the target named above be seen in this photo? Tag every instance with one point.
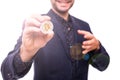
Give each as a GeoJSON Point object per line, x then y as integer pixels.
{"type": "Point", "coordinates": [63, 54]}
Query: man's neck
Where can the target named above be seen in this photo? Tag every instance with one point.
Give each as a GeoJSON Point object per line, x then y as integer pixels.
{"type": "Point", "coordinates": [63, 15]}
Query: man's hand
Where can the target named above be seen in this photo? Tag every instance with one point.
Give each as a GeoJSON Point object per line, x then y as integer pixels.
{"type": "Point", "coordinates": [91, 43]}
{"type": "Point", "coordinates": [33, 39]}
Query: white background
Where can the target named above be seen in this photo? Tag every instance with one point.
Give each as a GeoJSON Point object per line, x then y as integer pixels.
{"type": "Point", "coordinates": [102, 15]}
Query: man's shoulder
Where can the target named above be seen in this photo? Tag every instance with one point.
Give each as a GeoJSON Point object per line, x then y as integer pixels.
{"type": "Point", "coordinates": [78, 20]}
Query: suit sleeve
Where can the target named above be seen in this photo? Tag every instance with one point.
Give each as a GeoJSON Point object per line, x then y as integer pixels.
{"type": "Point", "coordinates": [97, 58]}
{"type": "Point", "coordinates": [100, 59]}
{"type": "Point", "coordinates": [12, 67]}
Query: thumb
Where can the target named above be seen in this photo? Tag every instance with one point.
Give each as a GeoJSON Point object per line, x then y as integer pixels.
{"type": "Point", "coordinates": [49, 36]}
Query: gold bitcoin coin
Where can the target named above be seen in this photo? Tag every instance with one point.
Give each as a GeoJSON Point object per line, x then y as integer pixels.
{"type": "Point", "coordinates": [46, 27]}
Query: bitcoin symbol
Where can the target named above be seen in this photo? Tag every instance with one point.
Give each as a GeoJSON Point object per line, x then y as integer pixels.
{"type": "Point", "coordinates": [46, 27]}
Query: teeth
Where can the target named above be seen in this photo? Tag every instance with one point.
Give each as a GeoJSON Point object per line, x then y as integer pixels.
{"type": "Point", "coordinates": [46, 27]}
{"type": "Point", "coordinates": [64, 1]}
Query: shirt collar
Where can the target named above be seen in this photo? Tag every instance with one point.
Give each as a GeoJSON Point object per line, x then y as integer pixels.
{"type": "Point", "coordinates": [53, 14]}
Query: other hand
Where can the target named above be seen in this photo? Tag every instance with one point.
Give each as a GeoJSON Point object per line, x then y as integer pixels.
{"type": "Point", "coordinates": [91, 43]}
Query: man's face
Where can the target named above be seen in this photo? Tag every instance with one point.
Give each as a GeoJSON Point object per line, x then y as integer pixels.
{"type": "Point", "coordinates": [62, 6]}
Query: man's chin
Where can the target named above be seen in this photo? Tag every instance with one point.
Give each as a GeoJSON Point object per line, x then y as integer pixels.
{"type": "Point", "coordinates": [62, 11]}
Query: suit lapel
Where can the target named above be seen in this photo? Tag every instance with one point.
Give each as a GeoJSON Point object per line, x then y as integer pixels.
{"type": "Point", "coordinates": [60, 33]}
{"type": "Point", "coordinates": [58, 29]}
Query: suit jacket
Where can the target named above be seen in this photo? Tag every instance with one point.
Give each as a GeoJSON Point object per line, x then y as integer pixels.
{"type": "Point", "coordinates": [53, 62]}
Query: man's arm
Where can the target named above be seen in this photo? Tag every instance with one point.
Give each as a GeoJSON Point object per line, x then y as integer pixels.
{"type": "Point", "coordinates": [12, 67]}
{"type": "Point", "coordinates": [18, 61]}
{"type": "Point", "coordinates": [100, 58]}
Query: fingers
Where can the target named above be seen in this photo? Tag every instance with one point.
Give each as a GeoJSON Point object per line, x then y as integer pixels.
{"type": "Point", "coordinates": [50, 35]}
{"type": "Point", "coordinates": [85, 51]}
{"type": "Point", "coordinates": [91, 43]}
{"type": "Point", "coordinates": [86, 34]}
{"type": "Point", "coordinates": [40, 18]}
{"type": "Point", "coordinates": [36, 20]}
{"type": "Point", "coordinates": [86, 45]}
{"type": "Point", "coordinates": [32, 22]}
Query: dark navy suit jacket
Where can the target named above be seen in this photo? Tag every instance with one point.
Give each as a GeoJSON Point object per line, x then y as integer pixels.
{"type": "Point", "coordinates": [53, 62]}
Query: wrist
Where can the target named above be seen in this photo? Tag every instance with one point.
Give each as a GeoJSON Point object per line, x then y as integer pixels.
{"type": "Point", "coordinates": [98, 47]}
{"type": "Point", "coordinates": [26, 55]}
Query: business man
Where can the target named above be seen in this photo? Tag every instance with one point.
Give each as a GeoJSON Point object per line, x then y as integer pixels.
{"type": "Point", "coordinates": [62, 54]}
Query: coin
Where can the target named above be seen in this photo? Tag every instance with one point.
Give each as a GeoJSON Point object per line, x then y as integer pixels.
{"type": "Point", "coordinates": [46, 27]}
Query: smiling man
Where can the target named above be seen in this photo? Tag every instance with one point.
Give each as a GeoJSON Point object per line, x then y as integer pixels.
{"type": "Point", "coordinates": [64, 53]}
